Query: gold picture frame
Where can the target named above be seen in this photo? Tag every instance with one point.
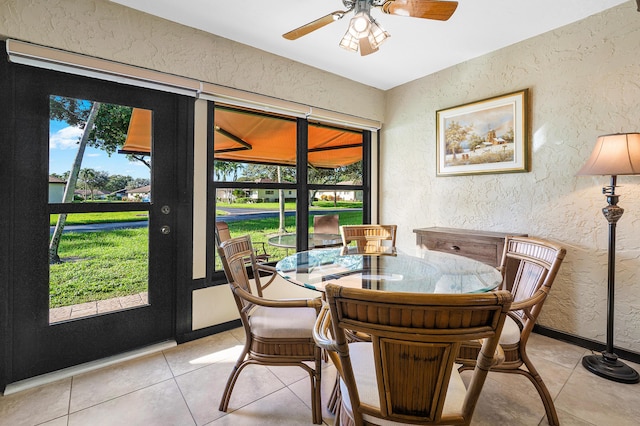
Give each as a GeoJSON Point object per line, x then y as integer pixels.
{"type": "Point", "coordinates": [487, 136]}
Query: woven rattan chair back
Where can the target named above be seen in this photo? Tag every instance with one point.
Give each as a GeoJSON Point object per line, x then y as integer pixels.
{"type": "Point", "coordinates": [283, 328]}
{"type": "Point", "coordinates": [259, 258]}
{"type": "Point", "coordinates": [414, 342]}
{"type": "Point", "coordinates": [529, 267]}
{"type": "Point", "coordinates": [238, 257]}
{"type": "Point", "coordinates": [533, 263]}
{"type": "Point", "coordinates": [371, 236]}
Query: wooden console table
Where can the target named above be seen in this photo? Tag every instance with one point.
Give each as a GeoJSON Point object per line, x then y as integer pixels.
{"type": "Point", "coordinates": [484, 246]}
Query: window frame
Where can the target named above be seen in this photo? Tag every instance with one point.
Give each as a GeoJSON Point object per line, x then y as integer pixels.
{"type": "Point", "coordinates": [301, 186]}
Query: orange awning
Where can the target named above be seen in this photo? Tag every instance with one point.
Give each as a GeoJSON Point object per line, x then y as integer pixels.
{"type": "Point", "coordinates": [243, 136]}
{"type": "Point", "coordinates": [139, 133]}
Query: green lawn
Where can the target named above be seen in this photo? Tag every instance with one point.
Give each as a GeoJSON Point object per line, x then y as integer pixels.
{"type": "Point", "coordinates": [98, 266]}
{"type": "Point", "coordinates": [103, 265]}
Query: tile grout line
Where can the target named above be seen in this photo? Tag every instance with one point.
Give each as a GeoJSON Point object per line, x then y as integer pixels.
{"type": "Point", "coordinates": [75, 370]}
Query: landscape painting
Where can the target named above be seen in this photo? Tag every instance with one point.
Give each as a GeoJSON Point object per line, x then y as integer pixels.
{"type": "Point", "coordinates": [488, 136]}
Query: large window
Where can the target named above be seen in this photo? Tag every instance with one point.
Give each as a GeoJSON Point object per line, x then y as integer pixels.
{"type": "Point", "coordinates": [273, 174]}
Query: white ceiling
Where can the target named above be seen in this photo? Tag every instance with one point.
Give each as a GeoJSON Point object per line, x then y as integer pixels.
{"type": "Point", "coordinates": [417, 47]}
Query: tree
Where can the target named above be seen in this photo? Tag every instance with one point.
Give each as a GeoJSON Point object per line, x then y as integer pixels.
{"type": "Point", "coordinates": [111, 126]}
{"type": "Point", "coordinates": [351, 172]}
{"type": "Point", "coordinates": [475, 141]}
{"type": "Point", "coordinates": [508, 136]}
{"type": "Point", "coordinates": [110, 132]}
{"type": "Point", "coordinates": [255, 172]}
{"type": "Point", "coordinates": [138, 183]}
{"type": "Point", "coordinates": [94, 180]}
{"type": "Point", "coordinates": [220, 169]}
{"type": "Point", "coordinates": [225, 169]}
{"type": "Point", "coordinates": [104, 127]}
{"type": "Point", "coordinates": [84, 176]}
{"type": "Point", "coordinates": [75, 169]}
{"type": "Point", "coordinates": [117, 182]}
{"type": "Point", "coordinates": [454, 135]}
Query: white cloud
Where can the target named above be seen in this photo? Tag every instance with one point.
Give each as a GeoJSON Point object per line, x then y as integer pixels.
{"type": "Point", "coordinates": [66, 138]}
{"type": "Point", "coordinates": [94, 155]}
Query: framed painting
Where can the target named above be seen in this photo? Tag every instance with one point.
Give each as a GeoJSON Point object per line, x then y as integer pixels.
{"type": "Point", "coordinates": [487, 136]}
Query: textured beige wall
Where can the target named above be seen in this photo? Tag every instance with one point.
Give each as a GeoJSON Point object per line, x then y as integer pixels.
{"type": "Point", "coordinates": [107, 30]}
{"type": "Point", "coordinates": [584, 81]}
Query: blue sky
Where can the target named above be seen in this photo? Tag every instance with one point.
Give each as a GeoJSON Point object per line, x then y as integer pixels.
{"type": "Point", "coordinates": [63, 147]}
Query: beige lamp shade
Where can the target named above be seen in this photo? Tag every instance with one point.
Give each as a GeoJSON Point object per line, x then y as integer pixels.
{"type": "Point", "coordinates": [616, 154]}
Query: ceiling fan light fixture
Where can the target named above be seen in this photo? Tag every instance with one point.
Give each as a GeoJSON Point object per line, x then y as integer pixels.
{"type": "Point", "coordinates": [360, 25]}
{"type": "Point", "coordinates": [367, 45]}
{"type": "Point", "coordinates": [349, 42]}
{"type": "Point", "coordinates": [377, 34]}
{"type": "Point", "coordinates": [364, 34]}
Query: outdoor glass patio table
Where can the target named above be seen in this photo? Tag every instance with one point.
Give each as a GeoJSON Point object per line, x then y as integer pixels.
{"type": "Point", "coordinates": [316, 240]}
{"type": "Point", "coordinates": [425, 272]}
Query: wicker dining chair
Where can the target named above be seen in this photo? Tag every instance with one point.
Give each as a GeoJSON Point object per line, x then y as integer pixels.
{"type": "Point", "coordinates": [278, 332]}
{"type": "Point", "coordinates": [268, 272]}
{"type": "Point", "coordinates": [368, 239]}
{"type": "Point", "coordinates": [406, 374]}
{"type": "Point", "coordinates": [529, 267]}
{"type": "Point", "coordinates": [368, 235]}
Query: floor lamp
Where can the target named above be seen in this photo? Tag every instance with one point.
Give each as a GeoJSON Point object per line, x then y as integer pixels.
{"type": "Point", "coordinates": [614, 155]}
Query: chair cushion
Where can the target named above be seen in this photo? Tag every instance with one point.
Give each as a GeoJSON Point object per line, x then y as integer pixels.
{"type": "Point", "coordinates": [282, 322]}
{"type": "Point", "coordinates": [361, 355]}
{"type": "Point", "coordinates": [510, 333]}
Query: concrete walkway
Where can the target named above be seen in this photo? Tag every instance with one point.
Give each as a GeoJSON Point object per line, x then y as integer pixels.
{"type": "Point", "coordinates": [65, 313]}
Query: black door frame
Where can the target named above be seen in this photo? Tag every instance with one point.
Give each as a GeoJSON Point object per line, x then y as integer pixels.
{"type": "Point", "coordinates": [176, 173]}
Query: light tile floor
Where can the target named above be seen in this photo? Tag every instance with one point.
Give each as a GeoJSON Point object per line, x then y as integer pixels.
{"type": "Point", "coordinates": [183, 386]}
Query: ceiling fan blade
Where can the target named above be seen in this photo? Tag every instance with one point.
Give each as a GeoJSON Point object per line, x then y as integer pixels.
{"type": "Point", "coordinates": [314, 25]}
{"type": "Point", "coordinates": [427, 9]}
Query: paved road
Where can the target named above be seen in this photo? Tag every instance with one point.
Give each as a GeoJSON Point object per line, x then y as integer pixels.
{"type": "Point", "coordinates": [95, 227]}
{"type": "Point", "coordinates": [234, 214]}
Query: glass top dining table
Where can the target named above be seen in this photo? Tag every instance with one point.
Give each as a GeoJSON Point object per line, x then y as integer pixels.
{"type": "Point", "coordinates": [425, 272]}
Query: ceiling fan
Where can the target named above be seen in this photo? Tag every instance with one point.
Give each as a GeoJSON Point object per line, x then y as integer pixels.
{"type": "Point", "coordinates": [364, 33]}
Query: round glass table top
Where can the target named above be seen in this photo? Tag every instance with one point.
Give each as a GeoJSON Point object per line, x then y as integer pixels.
{"type": "Point", "coordinates": [315, 240]}
{"type": "Point", "coordinates": [426, 272]}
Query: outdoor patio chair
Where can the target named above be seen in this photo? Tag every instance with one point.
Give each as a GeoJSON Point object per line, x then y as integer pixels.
{"type": "Point", "coordinates": [223, 234]}
{"type": "Point", "coordinates": [529, 266]}
{"type": "Point", "coordinates": [326, 224]}
{"type": "Point", "coordinates": [278, 332]}
{"type": "Point", "coordinates": [406, 374]}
